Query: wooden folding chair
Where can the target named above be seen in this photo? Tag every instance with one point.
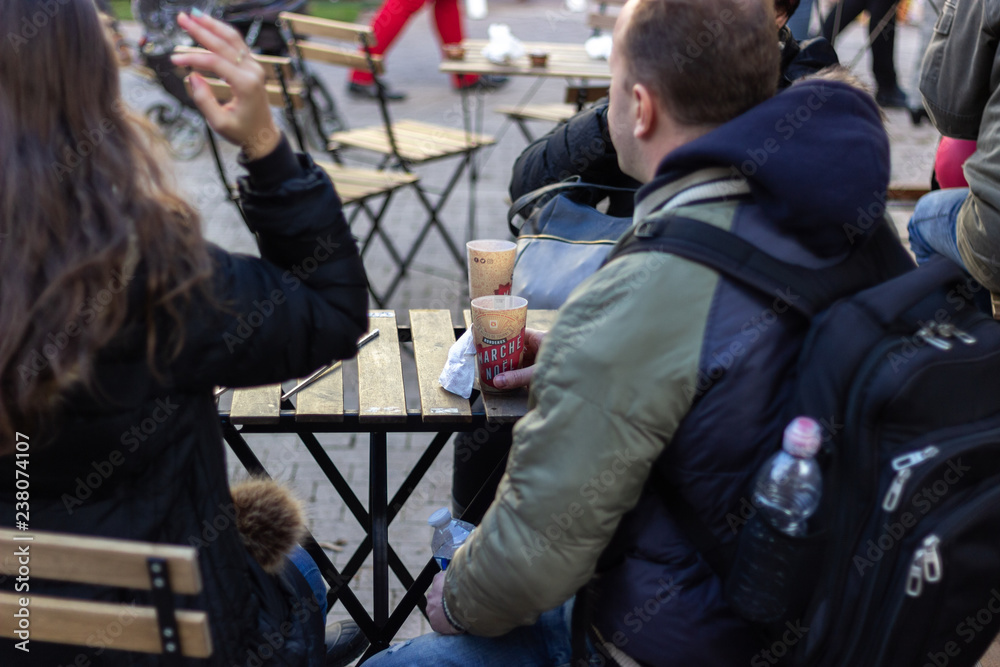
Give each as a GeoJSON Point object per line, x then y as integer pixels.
{"type": "Point", "coordinates": [356, 186]}
{"type": "Point", "coordinates": [163, 570]}
{"type": "Point", "coordinates": [401, 144]}
{"type": "Point", "coordinates": [602, 15]}
{"type": "Point", "coordinates": [576, 98]}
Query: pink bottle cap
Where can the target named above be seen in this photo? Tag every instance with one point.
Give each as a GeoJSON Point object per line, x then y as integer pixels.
{"type": "Point", "coordinates": [803, 437]}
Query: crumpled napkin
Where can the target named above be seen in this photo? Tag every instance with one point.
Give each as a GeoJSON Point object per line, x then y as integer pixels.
{"type": "Point", "coordinates": [503, 46]}
{"type": "Point", "coordinates": [598, 47]}
{"type": "Point", "coordinates": [460, 370]}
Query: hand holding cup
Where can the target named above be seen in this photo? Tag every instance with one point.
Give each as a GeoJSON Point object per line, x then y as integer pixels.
{"type": "Point", "coordinates": [515, 379]}
{"type": "Point", "coordinates": [499, 334]}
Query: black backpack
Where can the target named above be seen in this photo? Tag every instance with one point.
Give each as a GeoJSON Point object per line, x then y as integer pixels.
{"type": "Point", "coordinates": [901, 566]}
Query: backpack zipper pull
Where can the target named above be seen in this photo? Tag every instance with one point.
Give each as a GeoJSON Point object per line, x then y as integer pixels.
{"type": "Point", "coordinates": [949, 330]}
{"type": "Point", "coordinates": [925, 566]}
{"type": "Point", "coordinates": [895, 492]}
{"type": "Point", "coordinates": [902, 465]}
{"type": "Point", "coordinates": [928, 333]}
{"type": "Point", "coordinates": [932, 559]}
{"type": "Point", "coordinates": [915, 578]}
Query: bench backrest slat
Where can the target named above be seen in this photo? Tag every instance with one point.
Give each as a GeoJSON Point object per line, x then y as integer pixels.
{"type": "Point", "coordinates": [99, 560]}
{"type": "Point", "coordinates": [84, 623]}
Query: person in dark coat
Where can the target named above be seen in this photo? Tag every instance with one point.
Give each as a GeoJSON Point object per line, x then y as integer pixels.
{"type": "Point", "coordinates": [117, 320]}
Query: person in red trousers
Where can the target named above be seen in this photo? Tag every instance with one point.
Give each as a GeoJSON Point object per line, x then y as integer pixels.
{"type": "Point", "coordinates": [387, 25]}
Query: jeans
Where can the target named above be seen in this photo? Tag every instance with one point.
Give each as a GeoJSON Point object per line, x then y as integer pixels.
{"type": "Point", "coordinates": [933, 225]}
{"type": "Point", "coordinates": [544, 644]}
{"type": "Point", "coordinates": [307, 566]}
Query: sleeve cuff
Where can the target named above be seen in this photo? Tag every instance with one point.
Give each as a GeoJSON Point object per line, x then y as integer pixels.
{"type": "Point", "coordinates": [447, 614]}
{"type": "Point", "coordinates": [274, 168]}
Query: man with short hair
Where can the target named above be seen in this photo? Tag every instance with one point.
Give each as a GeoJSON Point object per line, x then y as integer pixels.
{"type": "Point", "coordinates": [659, 373]}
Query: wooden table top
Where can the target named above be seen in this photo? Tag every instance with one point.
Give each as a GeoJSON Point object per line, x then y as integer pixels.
{"type": "Point", "coordinates": [378, 384]}
{"type": "Point", "coordinates": [565, 61]}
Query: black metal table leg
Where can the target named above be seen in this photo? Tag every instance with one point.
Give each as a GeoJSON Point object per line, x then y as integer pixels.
{"type": "Point", "coordinates": [378, 509]}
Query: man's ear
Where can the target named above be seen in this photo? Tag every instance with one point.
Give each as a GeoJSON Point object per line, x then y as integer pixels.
{"type": "Point", "coordinates": [644, 107]}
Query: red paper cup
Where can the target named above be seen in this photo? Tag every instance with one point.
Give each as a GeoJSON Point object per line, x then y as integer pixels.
{"type": "Point", "coordinates": [498, 331]}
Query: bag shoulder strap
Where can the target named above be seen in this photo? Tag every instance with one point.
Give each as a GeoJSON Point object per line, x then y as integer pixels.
{"type": "Point", "coordinates": [529, 200]}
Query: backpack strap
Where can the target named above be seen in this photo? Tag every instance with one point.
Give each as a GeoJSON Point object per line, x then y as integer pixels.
{"type": "Point", "coordinates": [807, 291]}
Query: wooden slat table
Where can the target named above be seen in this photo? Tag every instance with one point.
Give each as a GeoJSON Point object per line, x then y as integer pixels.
{"type": "Point", "coordinates": [569, 61]}
{"type": "Point", "coordinates": [380, 409]}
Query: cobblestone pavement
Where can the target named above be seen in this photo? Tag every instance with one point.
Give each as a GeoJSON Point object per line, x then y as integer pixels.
{"type": "Point", "coordinates": [436, 281]}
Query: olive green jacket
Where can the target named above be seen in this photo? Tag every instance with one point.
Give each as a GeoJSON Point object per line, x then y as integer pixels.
{"type": "Point", "coordinates": [615, 376]}
{"type": "Point", "coordinates": [960, 82]}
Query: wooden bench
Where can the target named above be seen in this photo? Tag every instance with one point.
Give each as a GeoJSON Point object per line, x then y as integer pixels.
{"type": "Point", "coordinates": [161, 569]}
{"type": "Point", "coordinates": [907, 192]}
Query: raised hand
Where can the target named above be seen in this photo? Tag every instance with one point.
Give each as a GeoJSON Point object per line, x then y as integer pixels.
{"type": "Point", "coordinates": [245, 120]}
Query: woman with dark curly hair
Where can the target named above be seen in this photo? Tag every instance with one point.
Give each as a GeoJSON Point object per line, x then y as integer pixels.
{"type": "Point", "coordinates": [117, 320]}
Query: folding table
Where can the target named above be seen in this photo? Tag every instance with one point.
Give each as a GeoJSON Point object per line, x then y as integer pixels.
{"type": "Point", "coordinates": [381, 409]}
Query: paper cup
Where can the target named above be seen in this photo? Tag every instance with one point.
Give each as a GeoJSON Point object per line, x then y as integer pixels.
{"type": "Point", "coordinates": [538, 58]}
{"type": "Point", "coordinates": [454, 52]}
{"type": "Point", "coordinates": [491, 267]}
{"type": "Point", "coordinates": [498, 331]}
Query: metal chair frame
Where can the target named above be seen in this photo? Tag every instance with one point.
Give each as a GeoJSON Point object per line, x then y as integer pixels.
{"type": "Point", "coordinates": [393, 158]}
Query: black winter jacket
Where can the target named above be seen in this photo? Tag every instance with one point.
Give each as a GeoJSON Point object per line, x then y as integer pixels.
{"type": "Point", "coordinates": [141, 457]}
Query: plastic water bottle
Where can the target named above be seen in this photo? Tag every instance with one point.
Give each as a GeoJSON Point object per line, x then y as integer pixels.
{"type": "Point", "coordinates": [449, 534]}
{"type": "Point", "coordinates": [786, 493]}
{"type": "Point", "coordinates": [788, 487]}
